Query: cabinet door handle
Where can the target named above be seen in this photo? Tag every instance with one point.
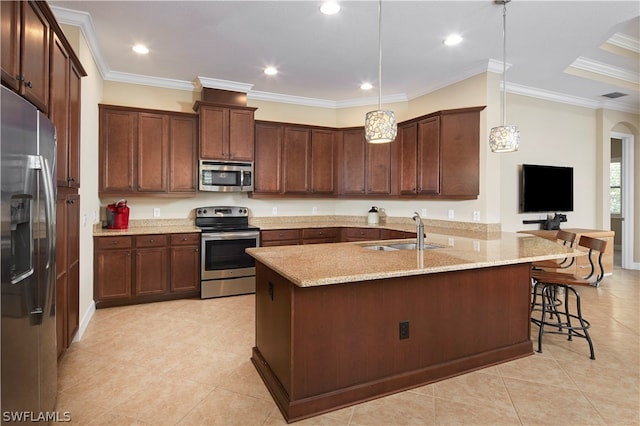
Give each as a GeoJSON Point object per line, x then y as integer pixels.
{"type": "Point", "coordinates": [152, 240]}
{"type": "Point", "coordinates": [28, 84]}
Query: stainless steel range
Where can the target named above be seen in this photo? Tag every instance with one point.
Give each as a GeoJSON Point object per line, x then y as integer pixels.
{"type": "Point", "coordinates": [226, 269]}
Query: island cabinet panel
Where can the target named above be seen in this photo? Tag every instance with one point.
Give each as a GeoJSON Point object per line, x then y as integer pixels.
{"type": "Point", "coordinates": [321, 348]}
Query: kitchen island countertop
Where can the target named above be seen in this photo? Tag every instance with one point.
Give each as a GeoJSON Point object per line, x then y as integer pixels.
{"type": "Point", "coordinates": [324, 264]}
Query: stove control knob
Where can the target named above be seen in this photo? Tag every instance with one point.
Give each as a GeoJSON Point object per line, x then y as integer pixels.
{"type": "Point", "coordinates": [198, 212]}
{"type": "Point", "coordinates": [204, 211]}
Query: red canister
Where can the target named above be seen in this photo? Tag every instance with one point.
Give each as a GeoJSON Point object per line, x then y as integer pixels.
{"type": "Point", "coordinates": [118, 215]}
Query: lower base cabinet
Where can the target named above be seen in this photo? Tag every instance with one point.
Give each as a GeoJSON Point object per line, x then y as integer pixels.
{"type": "Point", "coordinates": [146, 268]}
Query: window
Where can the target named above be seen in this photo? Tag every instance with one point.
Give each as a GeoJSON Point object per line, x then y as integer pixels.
{"type": "Point", "coordinates": [615, 174]}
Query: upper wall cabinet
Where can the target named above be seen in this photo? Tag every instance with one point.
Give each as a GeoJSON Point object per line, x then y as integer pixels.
{"type": "Point", "coordinates": [295, 160]}
{"type": "Point", "coordinates": [146, 152]}
{"type": "Point", "coordinates": [25, 51]}
{"type": "Point", "coordinates": [439, 155]}
{"type": "Point", "coordinates": [366, 169]}
{"type": "Point", "coordinates": [226, 133]}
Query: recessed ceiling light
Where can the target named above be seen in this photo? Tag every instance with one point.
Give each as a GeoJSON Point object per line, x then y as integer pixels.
{"type": "Point", "coordinates": [141, 49]}
{"type": "Point", "coordinates": [366, 86]}
{"type": "Point", "coordinates": [330, 8]}
{"type": "Point", "coordinates": [270, 71]}
{"type": "Point", "coordinates": [452, 40]}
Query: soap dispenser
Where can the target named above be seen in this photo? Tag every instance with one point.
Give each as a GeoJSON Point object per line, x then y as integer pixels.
{"type": "Point", "coordinates": [373, 218]}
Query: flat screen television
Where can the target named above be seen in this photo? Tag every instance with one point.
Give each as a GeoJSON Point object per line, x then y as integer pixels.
{"type": "Point", "coordinates": [546, 189]}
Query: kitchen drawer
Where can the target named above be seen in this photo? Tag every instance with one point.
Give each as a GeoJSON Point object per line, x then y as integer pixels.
{"type": "Point", "coordinates": [153, 240]}
{"type": "Point", "coordinates": [106, 243]}
{"type": "Point", "coordinates": [185, 239]}
{"type": "Point", "coordinates": [354, 234]}
{"type": "Point", "coordinates": [280, 234]}
{"type": "Point", "coordinates": [312, 233]}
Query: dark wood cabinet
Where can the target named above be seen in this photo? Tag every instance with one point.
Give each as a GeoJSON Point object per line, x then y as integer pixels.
{"type": "Point", "coordinates": [296, 151]}
{"type": "Point", "coordinates": [183, 154]}
{"type": "Point", "coordinates": [152, 152]}
{"type": "Point", "coordinates": [113, 266]}
{"type": "Point", "coordinates": [460, 153]}
{"type": "Point", "coordinates": [420, 157]}
{"type": "Point", "coordinates": [156, 267]}
{"type": "Point", "coordinates": [146, 152]}
{"type": "Point", "coordinates": [64, 112]}
{"type": "Point", "coordinates": [268, 165]}
{"type": "Point", "coordinates": [226, 133]}
{"type": "Point", "coordinates": [294, 160]}
{"type": "Point", "coordinates": [360, 234]}
{"type": "Point", "coordinates": [185, 263]}
{"type": "Point", "coordinates": [320, 235]}
{"type": "Point", "coordinates": [322, 162]}
{"type": "Point", "coordinates": [439, 155]}
{"type": "Point", "coordinates": [366, 168]}
{"type": "Point", "coordinates": [67, 267]}
{"type": "Point", "coordinates": [279, 237]}
{"type": "Point", "coordinates": [25, 51]}
{"type": "Point", "coordinates": [151, 262]}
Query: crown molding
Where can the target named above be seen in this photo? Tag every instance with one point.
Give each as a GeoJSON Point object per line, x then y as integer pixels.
{"type": "Point", "coordinates": [597, 67]}
{"type": "Point", "coordinates": [145, 80]}
{"type": "Point", "coordinates": [84, 22]}
{"type": "Point", "coordinates": [563, 98]}
{"type": "Point", "coordinates": [625, 41]}
{"type": "Point", "coordinates": [216, 83]}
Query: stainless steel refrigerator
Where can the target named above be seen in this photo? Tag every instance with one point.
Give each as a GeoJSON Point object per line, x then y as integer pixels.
{"type": "Point", "coordinates": [29, 357]}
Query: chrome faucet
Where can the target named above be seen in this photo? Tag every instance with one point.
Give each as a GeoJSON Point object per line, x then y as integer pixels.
{"type": "Point", "coordinates": [419, 231]}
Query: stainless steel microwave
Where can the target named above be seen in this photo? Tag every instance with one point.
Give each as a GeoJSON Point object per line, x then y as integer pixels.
{"type": "Point", "coordinates": [225, 176]}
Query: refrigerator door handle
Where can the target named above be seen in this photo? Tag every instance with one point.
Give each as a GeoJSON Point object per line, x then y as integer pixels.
{"type": "Point", "coordinates": [49, 192]}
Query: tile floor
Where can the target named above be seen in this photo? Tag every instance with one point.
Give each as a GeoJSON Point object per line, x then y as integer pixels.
{"type": "Point", "coordinates": [186, 362]}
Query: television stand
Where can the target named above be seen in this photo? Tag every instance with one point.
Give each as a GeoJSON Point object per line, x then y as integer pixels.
{"type": "Point", "coordinates": [550, 223]}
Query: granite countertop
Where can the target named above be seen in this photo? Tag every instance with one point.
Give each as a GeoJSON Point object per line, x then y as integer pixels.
{"type": "Point", "coordinates": [145, 227]}
{"type": "Point", "coordinates": [324, 264]}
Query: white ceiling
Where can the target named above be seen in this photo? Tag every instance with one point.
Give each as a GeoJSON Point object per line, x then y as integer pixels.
{"type": "Point", "coordinates": [570, 51]}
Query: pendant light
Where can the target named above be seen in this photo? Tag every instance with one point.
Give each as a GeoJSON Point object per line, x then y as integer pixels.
{"type": "Point", "coordinates": [380, 126]}
{"type": "Point", "coordinates": [504, 138]}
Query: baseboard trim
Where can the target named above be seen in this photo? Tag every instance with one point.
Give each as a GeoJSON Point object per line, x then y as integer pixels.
{"type": "Point", "coordinates": [85, 321]}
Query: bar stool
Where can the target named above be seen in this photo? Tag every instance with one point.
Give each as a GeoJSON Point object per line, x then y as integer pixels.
{"type": "Point", "coordinates": [552, 281]}
{"type": "Point", "coordinates": [568, 239]}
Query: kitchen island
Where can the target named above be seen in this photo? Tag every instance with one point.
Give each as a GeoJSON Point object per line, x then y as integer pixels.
{"type": "Point", "coordinates": [338, 324]}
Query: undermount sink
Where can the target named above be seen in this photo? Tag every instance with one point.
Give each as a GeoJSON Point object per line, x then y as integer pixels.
{"type": "Point", "coordinates": [404, 246]}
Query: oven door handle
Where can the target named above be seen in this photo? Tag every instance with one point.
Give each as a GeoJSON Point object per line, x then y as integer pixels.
{"type": "Point", "coordinates": [230, 235]}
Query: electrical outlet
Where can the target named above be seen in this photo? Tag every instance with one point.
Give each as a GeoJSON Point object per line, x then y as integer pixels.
{"type": "Point", "coordinates": [423, 212]}
{"type": "Point", "coordinates": [451, 215]}
{"type": "Point", "coordinates": [84, 219]}
{"type": "Point", "coordinates": [314, 210]}
{"type": "Point", "coordinates": [156, 212]}
{"type": "Point", "coordinates": [476, 216]}
{"type": "Point", "coordinates": [404, 330]}
{"type": "Point", "coordinates": [274, 211]}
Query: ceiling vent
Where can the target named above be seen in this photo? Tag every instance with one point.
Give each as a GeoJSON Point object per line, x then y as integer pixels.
{"type": "Point", "coordinates": [614, 95]}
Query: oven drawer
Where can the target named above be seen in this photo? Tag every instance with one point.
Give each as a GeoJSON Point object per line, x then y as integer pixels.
{"type": "Point", "coordinates": [153, 240]}
{"type": "Point", "coordinates": [185, 239]}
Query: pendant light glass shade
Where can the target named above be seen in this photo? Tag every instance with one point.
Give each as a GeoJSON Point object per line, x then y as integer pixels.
{"type": "Point", "coordinates": [380, 126]}
{"type": "Point", "coordinates": [504, 138]}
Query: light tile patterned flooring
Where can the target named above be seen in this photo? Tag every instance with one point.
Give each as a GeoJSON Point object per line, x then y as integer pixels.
{"type": "Point", "coordinates": [186, 362]}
